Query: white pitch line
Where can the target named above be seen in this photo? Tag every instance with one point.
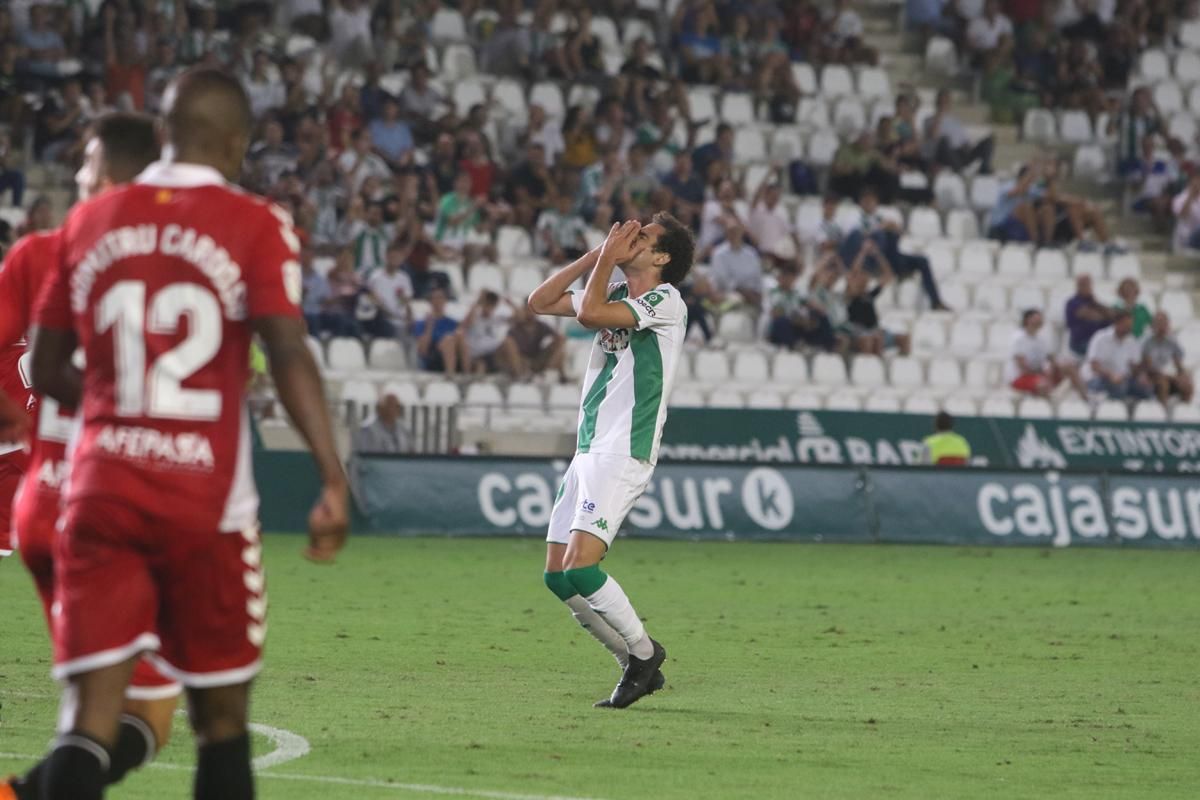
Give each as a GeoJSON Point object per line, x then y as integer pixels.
{"type": "Point", "coordinates": [288, 746]}
{"type": "Point", "coordinates": [452, 791]}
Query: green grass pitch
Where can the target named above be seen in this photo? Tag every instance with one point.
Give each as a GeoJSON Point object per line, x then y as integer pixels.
{"type": "Point", "coordinates": [794, 671]}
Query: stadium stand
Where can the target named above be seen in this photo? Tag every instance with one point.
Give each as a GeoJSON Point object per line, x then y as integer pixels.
{"type": "Point", "coordinates": [431, 152]}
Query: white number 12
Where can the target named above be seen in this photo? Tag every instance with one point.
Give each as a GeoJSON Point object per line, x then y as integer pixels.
{"type": "Point", "coordinates": [158, 392]}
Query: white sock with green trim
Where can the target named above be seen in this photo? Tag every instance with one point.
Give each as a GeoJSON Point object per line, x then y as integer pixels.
{"type": "Point", "coordinates": [594, 624]}
{"type": "Point", "coordinates": [611, 603]}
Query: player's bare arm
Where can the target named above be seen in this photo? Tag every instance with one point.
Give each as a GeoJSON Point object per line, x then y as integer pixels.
{"type": "Point", "coordinates": [623, 242]}
{"type": "Point", "coordinates": [51, 370]}
{"type": "Point", "coordinates": [299, 385]}
{"type": "Point", "coordinates": [553, 297]}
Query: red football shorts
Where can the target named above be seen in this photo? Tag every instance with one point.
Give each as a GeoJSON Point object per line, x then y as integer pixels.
{"type": "Point", "coordinates": [10, 478]}
{"type": "Point", "coordinates": [35, 517]}
{"type": "Point", "coordinates": [127, 583]}
{"type": "Point", "coordinates": [1029, 382]}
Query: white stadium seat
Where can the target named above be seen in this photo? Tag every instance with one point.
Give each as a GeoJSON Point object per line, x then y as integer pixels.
{"type": "Point", "coordinates": [633, 29]}
{"type": "Point", "coordinates": [1014, 262]}
{"type": "Point", "coordinates": [1150, 411]}
{"type": "Point", "coordinates": [994, 406]}
{"type": "Point", "coordinates": [992, 299]}
{"type": "Point", "coordinates": [1050, 266]}
{"type": "Point", "coordinates": [447, 25]}
{"type": "Point", "coordinates": [949, 190]}
{"type": "Point", "coordinates": [749, 146]}
{"type": "Point", "coordinates": [924, 223]}
{"type": "Point", "coordinates": [1075, 127]}
{"type": "Point", "coordinates": [1112, 410]}
{"type": "Point", "coordinates": [962, 225]}
{"type": "Point", "coordinates": [1178, 305]}
{"type": "Point", "coordinates": [929, 334]}
{"type": "Point", "coordinates": [508, 96]}
{"type": "Point", "coordinates": [751, 368]}
{"type": "Point", "coordinates": [467, 93]}
{"type": "Point", "coordinates": [1189, 414]}
{"type": "Point", "coordinates": [985, 190]}
{"type": "Point", "coordinates": [1088, 264]}
{"type": "Point", "coordinates": [712, 367]}
{"type": "Point", "coordinates": [458, 62]}
{"type": "Point", "coordinates": [920, 404]}
{"type": "Point", "coordinates": [404, 391]}
{"type": "Point", "coordinates": [906, 372]}
{"type": "Point", "coordinates": [955, 295]}
{"type": "Point", "coordinates": [980, 375]}
{"type": "Point", "coordinates": [725, 397]}
{"type": "Point", "coordinates": [804, 399]}
{"type": "Point", "coordinates": [945, 374]}
{"type": "Point", "coordinates": [1039, 126]}
{"type": "Point", "coordinates": [1073, 408]}
{"type": "Point", "coordinates": [975, 259]}
{"type": "Point", "coordinates": [960, 406]}
{"type": "Point", "coordinates": [736, 326]}
{"type": "Point", "coordinates": [787, 143]}
{"type": "Point", "coordinates": [805, 77]}
{"type": "Point", "coordinates": [843, 401]}
{"type": "Point", "coordinates": [522, 281]}
{"type": "Point", "coordinates": [737, 108]}
{"type": "Point", "coordinates": [1000, 335]}
{"type": "Point", "coordinates": [941, 56]}
{"type": "Point", "coordinates": [967, 337]}
{"type": "Point", "coordinates": [821, 147]}
{"type": "Point", "coordinates": [761, 399]}
{"type": "Point", "coordinates": [836, 81]}
{"type": "Point", "coordinates": [874, 82]}
{"type": "Point", "coordinates": [701, 103]}
{"type": "Point", "coordinates": [1153, 65]}
{"type": "Point", "coordinates": [388, 354]}
{"type": "Point", "coordinates": [943, 259]}
{"type": "Point", "coordinates": [849, 116]}
{"type": "Point", "coordinates": [880, 402]}
{"type": "Point", "coordinates": [1124, 266]}
{"type": "Point", "coordinates": [481, 393]}
{"type": "Point", "coordinates": [604, 29]}
{"type": "Point", "coordinates": [686, 397]}
{"type": "Point", "coordinates": [867, 371]}
{"type": "Point", "coordinates": [1189, 34]}
{"type": "Point", "coordinates": [813, 114]}
{"type": "Point", "coordinates": [1182, 126]}
{"type": "Point", "coordinates": [563, 396]}
{"type": "Point", "coordinates": [1025, 297]}
{"type": "Point", "coordinates": [1168, 97]}
{"type": "Point", "coordinates": [1090, 162]}
{"type": "Point", "coordinates": [513, 242]}
{"type": "Point", "coordinates": [485, 277]}
{"type": "Point", "coordinates": [363, 394]}
{"type": "Point", "coordinates": [829, 370]}
{"type": "Point", "coordinates": [789, 369]}
{"type": "Point", "coordinates": [549, 96]}
{"type": "Point", "coordinates": [1035, 408]}
{"type": "Point", "coordinates": [346, 354]}
{"type": "Point", "coordinates": [442, 393]}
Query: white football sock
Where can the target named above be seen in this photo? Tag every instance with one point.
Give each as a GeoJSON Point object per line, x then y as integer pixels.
{"type": "Point", "coordinates": [594, 624]}
{"type": "Point", "coordinates": [611, 603]}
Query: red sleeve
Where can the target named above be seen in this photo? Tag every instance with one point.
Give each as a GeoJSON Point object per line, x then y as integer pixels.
{"type": "Point", "coordinates": [273, 279]}
{"type": "Point", "coordinates": [53, 306]}
{"type": "Point", "coordinates": [15, 305]}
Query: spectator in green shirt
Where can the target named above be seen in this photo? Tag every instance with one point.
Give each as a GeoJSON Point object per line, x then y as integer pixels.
{"type": "Point", "coordinates": [1128, 291]}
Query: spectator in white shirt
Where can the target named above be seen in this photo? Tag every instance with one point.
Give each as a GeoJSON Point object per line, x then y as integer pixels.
{"type": "Point", "coordinates": [1114, 362]}
{"type": "Point", "coordinates": [1031, 367]}
{"type": "Point", "coordinates": [769, 223]}
{"type": "Point", "coordinates": [1186, 206]}
{"type": "Point", "coordinates": [484, 345]}
{"type": "Point", "coordinates": [350, 31]}
{"type": "Point", "coordinates": [719, 215]}
{"type": "Point", "coordinates": [985, 32]}
{"type": "Point", "coordinates": [737, 273]}
{"type": "Point", "coordinates": [546, 132]}
{"type": "Point", "coordinates": [360, 162]}
{"type": "Point", "coordinates": [391, 288]}
{"type": "Point", "coordinates": [947, 143]}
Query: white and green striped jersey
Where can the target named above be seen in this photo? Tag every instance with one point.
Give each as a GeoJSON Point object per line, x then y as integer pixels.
{"type": "Point", "coordinates": [630, 374]}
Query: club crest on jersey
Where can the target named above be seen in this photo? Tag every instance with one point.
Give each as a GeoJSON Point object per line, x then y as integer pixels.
{"type": "Point", "coordinates": [614, 341]}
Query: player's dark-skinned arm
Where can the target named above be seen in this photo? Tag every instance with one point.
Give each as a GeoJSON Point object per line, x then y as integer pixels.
{"type": "Point", "coordinates": [298, 383]}
{"type": "Point", "coordinates": [595, 312]}
{"type": "Point", "coordinates": [552, 298]}
{"type": "Point", "coordinates": [51, 369]}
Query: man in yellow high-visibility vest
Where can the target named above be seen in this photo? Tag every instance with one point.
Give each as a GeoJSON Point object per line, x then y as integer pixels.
{"type": "Point", "coordinates": [945, 448]}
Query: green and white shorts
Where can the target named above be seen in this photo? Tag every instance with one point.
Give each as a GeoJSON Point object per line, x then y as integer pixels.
{"type": "Point", "coordinates": [596, 495]}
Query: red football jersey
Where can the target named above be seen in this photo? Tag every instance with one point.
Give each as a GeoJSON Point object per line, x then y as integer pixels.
{"type": "Point", "coordinates": [160, 281]}
{"type": "Point", "coordinates": [29, 261]}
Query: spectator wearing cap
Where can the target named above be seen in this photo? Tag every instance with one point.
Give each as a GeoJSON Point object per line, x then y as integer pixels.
{"type": "Point", "coordinates": [1113, 367]}
{"type": "Point", "coordinates": [1031, 367]}
{"type": "Point", "coordinates": [1162, 362]}
{"type": "Point", "coordinates": [1085, 316]}
{"type": "Point", "coordinates": [948, 144]}
{"type": "Point", "coordinates": [945, 447]}
{"type": "Point", "coordinates": [386, 434]}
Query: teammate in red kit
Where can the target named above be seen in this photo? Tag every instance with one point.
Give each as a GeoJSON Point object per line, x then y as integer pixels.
{"type": "Point", "coordinates": [162, 284]}
{"type": "Point", "coordinates": [119, 146]}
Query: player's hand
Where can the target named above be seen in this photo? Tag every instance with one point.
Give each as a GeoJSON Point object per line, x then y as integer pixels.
{"type": "Point", "coordinates": [328, 525]}
{"type": "Point", "coordinates": [621, 244]}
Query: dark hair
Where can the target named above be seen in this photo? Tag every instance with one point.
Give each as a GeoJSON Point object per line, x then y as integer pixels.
{"type": "Point", "coordinates": [130, 143]}
{"type": "Point", "coordinates": [677, 242]}
{"type": "Point", "coordinates": [1027, 313]}
{"type": "Point", "coordinates": [943, 422]}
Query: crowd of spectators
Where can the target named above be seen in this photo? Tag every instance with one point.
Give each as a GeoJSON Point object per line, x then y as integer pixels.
{"type": "Point", "coordinates": [1117, 351]}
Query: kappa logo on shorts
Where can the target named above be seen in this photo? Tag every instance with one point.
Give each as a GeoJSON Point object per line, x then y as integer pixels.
{"type": "Point", "coordinates": [601, 524]}
{"type": "Point", "coordinates": [587, 506]}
